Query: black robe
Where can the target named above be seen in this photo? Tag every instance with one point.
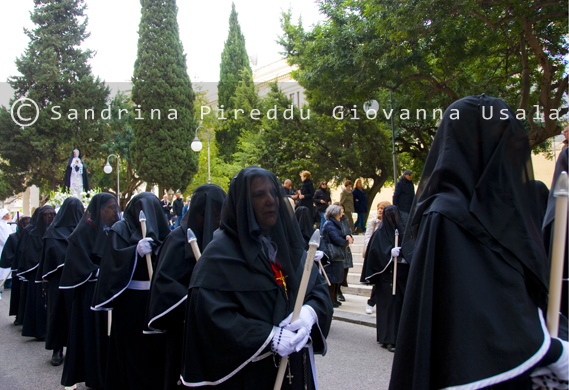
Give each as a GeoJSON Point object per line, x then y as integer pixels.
{"type": "Point", "coordinates": [234, 300]}
{"type": "Point", "coordinates": [306, 223]}
{"type": "Point", "coordinates": [176, 261]}
{"type": "Point", "coordinates": [477, 283]}
{"type": "Point", "coordinates": [123, 288]}
{"type": "Point", "coordinates": [35, 314]}
{"type": "Point", "coordinates": [86, 354]}
{"type": "Point", "coordinates": [50, 268]}
{"type": "Point", "coordinates": [10, 260]}
{"type": "Point", "coordinates": [378, 269]}
{"type": "Point", "coordinates": [19, 265]}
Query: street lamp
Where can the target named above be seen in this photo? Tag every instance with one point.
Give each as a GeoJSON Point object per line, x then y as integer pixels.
{"type": "Point", "coordinates": [108, 169]}
{"type": "Point", "coordinates": [197, 146]}
{"type": "Point", "coordinates": [374, 105]}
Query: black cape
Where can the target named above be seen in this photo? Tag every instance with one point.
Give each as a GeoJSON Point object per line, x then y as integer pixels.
{"type": "Point", "coordinates": [19, 265]}
{"type": "Point", "coordinates": [478, 272]}
{"type": "Point", "coordinates": [50, 268]}
{"type": "Point", "coordinates": [9, 260]}
{"type": "Point", "coordinates": [378, 269]}
{"type": "Point", "coordinates": [35, 314]}
{"type": "Point", "coordinates": [171, 279]}
{"type": "Point", "coordinates": [67, 179]}
{"type": "Point", "coordinates": [86, 354]}
{"type": "Point", "coordinates": [234, 300]}
{"type": "Point", "coordinates": [123, 287]}
{"type": "Point", "coordinates": [306, 223]}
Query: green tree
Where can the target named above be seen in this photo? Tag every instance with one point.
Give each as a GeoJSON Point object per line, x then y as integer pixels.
{"type": "Point", "coordinates": [329, 148]}
{"type": "Point", "coordinates": [56, 75]}
{"type": "Point", "coordinates": [234, 60]}
{"type": "Point", "coordinates": [221, 172]}
{"type": "Point", "coordinates": [440, 50]}
{"type": "Point", "coordinates": [118, 137]}
{"type": "Point", "coordinates": [160, 151]}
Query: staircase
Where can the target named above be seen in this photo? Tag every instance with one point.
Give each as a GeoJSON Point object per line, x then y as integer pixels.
{"type": "Point", "coordinates": [355, 288]}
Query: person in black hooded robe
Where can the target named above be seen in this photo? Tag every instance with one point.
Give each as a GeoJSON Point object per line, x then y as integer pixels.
{"type": "Point", "coordinates": [238, 302]}
{"type": "Point", "coordinates": [473, 311]}
{"type": "Point", "coordinates": [378, 270]}
{"type": "Point", "coordinates": [9, 260]}
{"type": "Point", "coordinates": [548, 222]}
{"type": "Point", "coordinates": [79, 167]}
{"type": "Point", "coordinates": [19, 266]}
{"type": "Point", "coordinates": [305, 221]}
{"type": "Point", "coordinates": [35, 314]}
{"type": "Point", "coordinates": [86, 354]}
{"type": "Point", "coordinates": [176, 261]}
{"type": "Point", "coordinates": [49, 271]}
{"type": "Point", "coordinates": [123, 287]}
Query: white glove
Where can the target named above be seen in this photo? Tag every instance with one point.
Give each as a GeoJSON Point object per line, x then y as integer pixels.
{"type": "Point", "coordinates": [144, 246]}
{"type": "Point", "coordinates": [318, 255]}
{"type": "Point", "coordinates": [556, 375]}
{"type": "Point", "coordinates": [396, 251]}
{"type": "Point", "coordinates": [286, 342]}
{"type": "Point", "coordinates": [305, 320]}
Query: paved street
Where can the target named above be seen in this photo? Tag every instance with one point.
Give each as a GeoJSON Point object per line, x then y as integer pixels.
{"type": "Point", "coordinates": [354, 359]}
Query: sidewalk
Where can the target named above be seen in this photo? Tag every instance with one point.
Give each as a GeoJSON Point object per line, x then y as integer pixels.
{"type": "Point", "coordinates": [354, 310]}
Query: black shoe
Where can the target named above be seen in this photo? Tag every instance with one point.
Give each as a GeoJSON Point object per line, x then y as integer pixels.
{"type": "Point", "coordinates": [57, 357]}
{"type": "Point", "coordinates": [336, 304]}
{"type": "Point", "coordinates": [391, 347]}
{"type": "Point", "coordinates": [341, 297]}
{"type": "Point", "coordinates": [16, 322]}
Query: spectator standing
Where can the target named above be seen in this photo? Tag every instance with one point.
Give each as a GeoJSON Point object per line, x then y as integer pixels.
{"type": "Point", "coordinates": [404, 194]}
{"type": "Point", "coordinates": [306, 192]}
{"type": "Point", "coordinates": [177, 208]}
{"type": "Point", "coordinates": [334, 237]}
{"type": "Point", "coordinates": [287, 189]}
{"type": "Point", "coordinates": [166, 207]}
{"type": "Point", "coordinates": [348, 260]}
{"type": "Point", "coordinates": [372, 226]}
{"type": "Point", "coordinates": [347, 200]}
{"type": "Point", "coordinates": [186, 206]}
{"type": "Point", "coordinates": [360, 206]}
{"type": "Point", "coordinates": [322, 200]}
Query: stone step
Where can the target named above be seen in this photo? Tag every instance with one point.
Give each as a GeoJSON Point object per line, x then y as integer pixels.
{"type": "Point", "coordinates": [357, 289]}
{"type": "Point", "coordinates": [354, 278]}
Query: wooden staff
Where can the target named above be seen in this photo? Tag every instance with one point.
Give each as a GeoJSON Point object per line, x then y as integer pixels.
{"type": "Point", "coordinates": [193, 241]}
{"type": "Point", "coordinates": [313, 245]}
{"type": "Point", "coordinates": [559, 236]}
{"type": "Point", "coordinates": [142, 219]}
{"type": "Point", "coordinates": [395, 263]}
{"type": "Point", "coordinates": [109, 321]}
{"type": "Point", "coordinates": [324, 273]}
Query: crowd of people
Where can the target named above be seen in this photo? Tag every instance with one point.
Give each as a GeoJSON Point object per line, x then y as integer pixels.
{"type": "Point", "coordinates": [460, 275]}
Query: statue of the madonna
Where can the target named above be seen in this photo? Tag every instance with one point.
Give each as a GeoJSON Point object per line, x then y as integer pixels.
{"type": "Point", "coordinates": [76, 179]}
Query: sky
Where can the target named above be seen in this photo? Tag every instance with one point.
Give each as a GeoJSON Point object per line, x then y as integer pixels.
{"type": "Point", "coordinates": [204, 25]}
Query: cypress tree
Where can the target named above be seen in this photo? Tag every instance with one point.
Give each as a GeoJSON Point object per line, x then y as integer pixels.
{"type": "Point", "coordinates": [161, 152]}
{"type": "Point", "coordinates": [234, 60]}
{"type": "Point", "coordinates": [55, 72]}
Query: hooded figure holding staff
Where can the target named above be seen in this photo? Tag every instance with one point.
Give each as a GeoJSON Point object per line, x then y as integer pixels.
{"type": "Point", "coordinates": [473, 315]}
{"type": "Point", "coordinates": [86, 353]}
{"type": "Point", "coordinates": [176, 261]}
{"type": "Point", "coordinates": [378, 270]}
{"type": "Point", "coordinates": [123, 287]}
{"type": "Point", "coordinates": [242, 290]}
{"type": "Point", "coordinates": [59, 302]}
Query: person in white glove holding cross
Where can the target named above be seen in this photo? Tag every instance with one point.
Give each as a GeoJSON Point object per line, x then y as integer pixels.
{"type": "Point", "coordinates": [242, 293]}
